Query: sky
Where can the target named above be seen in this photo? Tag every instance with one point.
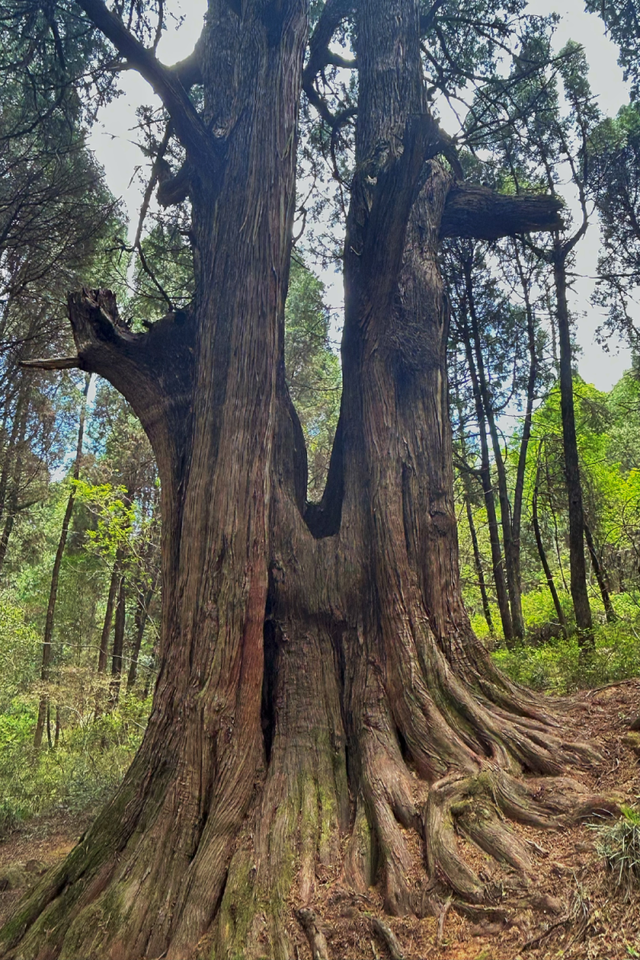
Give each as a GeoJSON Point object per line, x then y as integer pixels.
{"type": "Point", "coordinates": [113, 141]}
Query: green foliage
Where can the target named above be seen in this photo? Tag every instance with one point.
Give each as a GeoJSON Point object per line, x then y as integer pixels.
{"type": "Point", "coordinates": [619, 844]}
{"type": "Point", "coordinates": [615, 163]}
{"type": "Point", "coordinates": [557, 666]}
{"type": "Point", "coordinates": [19, 647]}
{"type": "Point", "coordinates": [77, 776]}
{"type": "Point", "coordinates": [621, 20]}
{"type": "Point", "coordinates": [114, 517]}
{"type": "Point", "coordinates": [312, 369]}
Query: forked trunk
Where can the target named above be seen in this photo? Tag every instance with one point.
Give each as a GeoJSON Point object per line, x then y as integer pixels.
{"type": "Point", "coordinates": [320, 691]}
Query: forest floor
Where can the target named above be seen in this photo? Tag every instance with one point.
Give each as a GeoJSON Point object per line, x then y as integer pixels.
{"type": "Point", "coordinates": [580, 913]}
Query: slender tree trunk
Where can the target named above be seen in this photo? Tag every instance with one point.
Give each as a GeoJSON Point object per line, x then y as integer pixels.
{"type": "Point", "coordinates": [142, 612]}
{"type": "Point", "coordinates": [114, 582]}
{"type": "Point", "coordinates": [479, 571]}
{"type": "Point", "coordinates": [579, 591]}
{"type": "Point", "coordinates": [16, 438]}
{"type": "Point", "coordinates": [532, 379]}
{"type": "Point", "coordinates": [511, 559]}
{"type": "Point", "coordinates": [487, 487]}
{"type": "Point", "coordinates": [610, 613]}
{"type": "Point", "coordinates": [47, 640]}
{"type": "Point", "coordinates": [556, 533]}
{"type": "Point", "coordinates": [543, 556]}
{"type": "Point", "coordinates": [12, 493]}
{"type": "Point", "coordinates": [118, 642]}
{"type": "Point", "coordinates": [472, 529]}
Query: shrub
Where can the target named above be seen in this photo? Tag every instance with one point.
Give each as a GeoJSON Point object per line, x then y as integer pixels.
{"type": "Point", "coordinates": [556, 666]}
{"type": "Point", "coordinates": [619, 844]}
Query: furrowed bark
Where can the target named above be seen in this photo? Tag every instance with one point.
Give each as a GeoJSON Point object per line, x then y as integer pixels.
{"type": "Point", "coordinates": [320, 692]}
{"type": "Point", "coordinates": [148, 876]}
{"type": "Point", "coordinates": [477, 212]}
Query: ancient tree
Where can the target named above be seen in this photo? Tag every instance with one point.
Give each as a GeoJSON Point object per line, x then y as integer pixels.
{"type": "Point", "coordinates": [320, 693]}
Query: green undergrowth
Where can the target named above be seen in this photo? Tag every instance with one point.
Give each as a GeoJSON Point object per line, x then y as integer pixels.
{"type": "Point", "coordinates": [75, 777]}
{"type": "Point", "coordinates": [555, 664]}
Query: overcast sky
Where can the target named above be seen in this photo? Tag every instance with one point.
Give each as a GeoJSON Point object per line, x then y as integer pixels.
{"type": "Point", "coordinates": [113, 141]}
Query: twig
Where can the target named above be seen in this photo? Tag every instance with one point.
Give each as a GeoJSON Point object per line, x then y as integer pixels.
{"type": "Point", "coordinates": [538, 848]}
{"type": "Point", "coordinates": [388, 937]}
{"type": "Point", "coordinates": [441, 922]}
{"type": "Point", "coordinates": [543, 936]}
{"type": "Point", "coordinates": [608, 686]}
{"type": "Point", "coordinates": [317, 941]}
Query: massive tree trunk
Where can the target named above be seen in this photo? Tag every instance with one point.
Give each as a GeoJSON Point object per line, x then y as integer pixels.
{"type": "Point", "coordinates": [319, 688]}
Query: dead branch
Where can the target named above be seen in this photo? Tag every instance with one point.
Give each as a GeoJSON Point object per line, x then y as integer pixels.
{"type": "Point", "coordinates": [52, 363]}
{"type": "Point", "coordinates": [317, 941]}
{"type": "Point", "coordinates": [478, 212]}
{"type": "Point", "coordinates": [388, 937]}
{"type": "Point", "coordinates": [188, 125]}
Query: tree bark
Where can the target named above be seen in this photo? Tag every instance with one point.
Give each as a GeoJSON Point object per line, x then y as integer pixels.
{"type": "Point", "coordinates": [47, 640]}
{"type": "Point", "coordinates": [579, 593]}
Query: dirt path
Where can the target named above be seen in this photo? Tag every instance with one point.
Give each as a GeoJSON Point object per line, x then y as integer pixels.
{"type": "Point", "coordinates": [580, 915]}
{"type": "Point", "coordinates": [26, 853]}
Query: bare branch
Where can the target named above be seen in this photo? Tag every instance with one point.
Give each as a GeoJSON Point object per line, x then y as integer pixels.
{"type": "Point", "coordinates": [333, 13]}
{"type": "Point", "coordinates": [52, 363]}
{"type": "Point", "coordinates": [188, 126]}
{"type": "Point", "coordinates": [173, 189]}
{"type": "Point", "coordinates": [427, 19]}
